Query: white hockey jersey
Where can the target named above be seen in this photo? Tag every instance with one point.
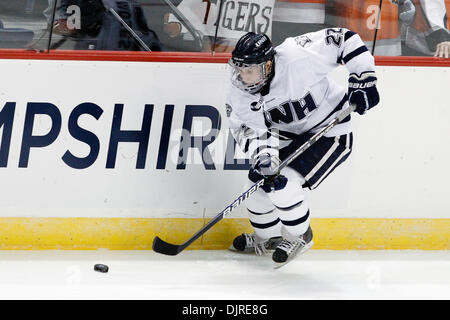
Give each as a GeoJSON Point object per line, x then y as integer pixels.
{"type": "Point", "coordinates": [302, 98]}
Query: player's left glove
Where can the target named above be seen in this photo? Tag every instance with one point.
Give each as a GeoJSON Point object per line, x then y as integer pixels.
{"type": "Point", "coordinates": [263, 169]}
{"type": "Point", "coordinates": [363, 92]}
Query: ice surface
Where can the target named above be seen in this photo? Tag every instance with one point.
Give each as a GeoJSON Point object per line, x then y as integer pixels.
{"type": "Point", "coordinates": [318, 274]}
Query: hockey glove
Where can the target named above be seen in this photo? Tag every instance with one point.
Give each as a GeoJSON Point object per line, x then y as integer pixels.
{"type": "Point", "coordinates": [363, 92]}
{"type": "Point", "coordinates": [263, 169]}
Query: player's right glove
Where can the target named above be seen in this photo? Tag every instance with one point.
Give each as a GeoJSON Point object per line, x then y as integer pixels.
{"type": "Point", "coordinates": [363, 92]}
{"type": "Point", "coordinates": [263, 169]}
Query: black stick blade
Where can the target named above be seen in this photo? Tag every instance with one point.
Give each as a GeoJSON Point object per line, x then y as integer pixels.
{"type": "Point", "coordinates": [163, 247]}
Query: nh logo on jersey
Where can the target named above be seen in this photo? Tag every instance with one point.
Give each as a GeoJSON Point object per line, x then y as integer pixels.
{"type": "Point", "coordinates": [292, 110]}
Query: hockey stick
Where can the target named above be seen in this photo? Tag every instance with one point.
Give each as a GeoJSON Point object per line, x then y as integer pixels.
{"type": "Point", "coordinates": [164, 247]}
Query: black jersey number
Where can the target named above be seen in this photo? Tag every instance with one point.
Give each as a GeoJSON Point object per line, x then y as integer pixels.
{"type": "Point", "coordinates": [334, 37]}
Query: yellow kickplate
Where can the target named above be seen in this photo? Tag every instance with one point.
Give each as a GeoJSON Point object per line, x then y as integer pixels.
{"type": "Point", "coordinates": [138, 233]}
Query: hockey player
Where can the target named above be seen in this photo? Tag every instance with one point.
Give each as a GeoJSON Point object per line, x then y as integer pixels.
{"type": "Point", "coordinates": [278, 98]}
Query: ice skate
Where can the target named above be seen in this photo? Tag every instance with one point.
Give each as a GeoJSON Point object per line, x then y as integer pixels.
{"type": "Point", "coordinates": [287, 250]}
{"type": "Point", "coordinates": [251, 243]}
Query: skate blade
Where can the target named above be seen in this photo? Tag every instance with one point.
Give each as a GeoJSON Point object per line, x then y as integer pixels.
{"type": "Point", "coordinates": [304, 249]}
{"type": "Point", "coordinates": [233, 249]}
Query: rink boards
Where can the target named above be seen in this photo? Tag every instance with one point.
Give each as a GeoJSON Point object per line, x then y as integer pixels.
{"type": "Point", "coordinates": [108, 154]}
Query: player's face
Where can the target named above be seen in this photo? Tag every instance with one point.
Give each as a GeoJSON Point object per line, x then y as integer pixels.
{"type": "Point", "coordinates": [250, 75]}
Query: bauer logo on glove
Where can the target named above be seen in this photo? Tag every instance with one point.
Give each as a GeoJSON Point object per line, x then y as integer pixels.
{"type": "Point", "coordinates": [362, 85]}
{"type": "Point", "coordinates": [362, 91]}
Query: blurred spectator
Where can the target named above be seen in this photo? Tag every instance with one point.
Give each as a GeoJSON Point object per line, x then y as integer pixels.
{"type": "Point", "coordinates": [98, 29]}
{"type": "Point", "coordinates": [236, 19]}
{"type": "Point", "coordinates": [428, 32]}
{"type": "Point", "coordinates": [84, 17]}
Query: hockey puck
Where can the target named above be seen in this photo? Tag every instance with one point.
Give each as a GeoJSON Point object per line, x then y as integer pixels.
{"type": "Point", "coordinates": [103, 268]}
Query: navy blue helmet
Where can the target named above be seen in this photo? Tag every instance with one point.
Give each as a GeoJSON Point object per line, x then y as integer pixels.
{"type": "Point", "coordinates": [249, 61]}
